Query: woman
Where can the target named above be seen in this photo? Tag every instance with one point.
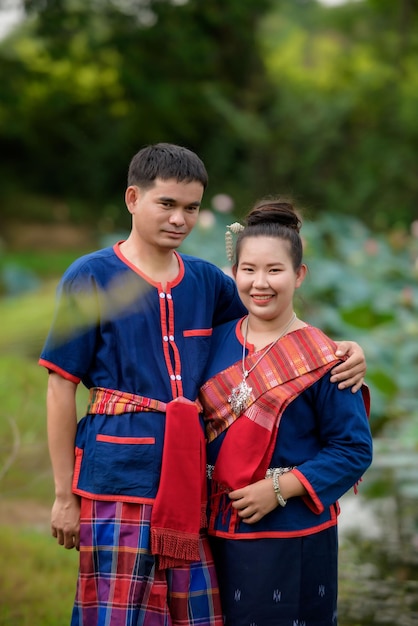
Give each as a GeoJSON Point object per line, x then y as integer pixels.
{"type": "Point", "coordinates": [283, 442]}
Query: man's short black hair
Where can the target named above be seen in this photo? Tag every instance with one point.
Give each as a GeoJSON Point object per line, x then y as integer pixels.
{"type": "Point", "coordinates": [165, 161]}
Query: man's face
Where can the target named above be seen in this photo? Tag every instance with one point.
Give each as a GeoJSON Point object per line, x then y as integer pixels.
{"type": "Point", "coordinates": [163, 215]}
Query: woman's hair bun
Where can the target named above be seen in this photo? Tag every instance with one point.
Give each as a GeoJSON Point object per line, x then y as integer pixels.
{"type": "Point", "coordinates": [274, 212]}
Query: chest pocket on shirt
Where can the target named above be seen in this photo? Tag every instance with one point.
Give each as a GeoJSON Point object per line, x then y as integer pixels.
{"type": "Point", "coordinates": [124, 465]}
{"type": "Point", "coordinates": [197, 347]}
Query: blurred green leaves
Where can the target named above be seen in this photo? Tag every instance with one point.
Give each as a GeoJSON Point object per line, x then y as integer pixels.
{"type": "Point", "coordinates": [277, 96]}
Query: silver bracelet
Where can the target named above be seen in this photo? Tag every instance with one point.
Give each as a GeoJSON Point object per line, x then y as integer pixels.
{"type": "Point", "coordinates": [276, 486]}
{"type": "Point", "coordinates": [279, 470]}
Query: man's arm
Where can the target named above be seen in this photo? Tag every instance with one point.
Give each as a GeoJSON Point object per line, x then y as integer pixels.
{"type": "Point", "coordinates": [62, 425]}
{"type": "Point", "coordinates": [351, 372]}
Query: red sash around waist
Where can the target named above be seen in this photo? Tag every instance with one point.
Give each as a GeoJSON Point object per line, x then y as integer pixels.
{"type": "Point", "coordinates": [179, 510]}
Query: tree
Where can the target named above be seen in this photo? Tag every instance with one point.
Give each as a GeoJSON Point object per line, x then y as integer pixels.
{"type": "Point", "coordinates": [97, 80]}
{"type": "Point", "coordinates": [342, 118]}
{"type": "Point", "coordinates": [277, 96]}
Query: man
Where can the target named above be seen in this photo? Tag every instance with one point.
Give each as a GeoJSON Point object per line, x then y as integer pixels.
{"type": "Point", "coordinates": [133, 323]}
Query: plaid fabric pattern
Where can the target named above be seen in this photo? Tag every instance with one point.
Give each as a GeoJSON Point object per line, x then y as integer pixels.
{"type": "Point", "coordinates": [291, 366]}
{"type": "Point", "coordinates": [118, 583]}
{"type": "Point", "coordinates": [287, 369]}
{"type": "Point", "coordinates": [113, 402]}
{"type": "Point", "coordinates": [105, 401]}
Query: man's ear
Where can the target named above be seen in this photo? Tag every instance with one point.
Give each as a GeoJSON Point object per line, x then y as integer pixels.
{"type": "Point", "coordinates": [132, 194]}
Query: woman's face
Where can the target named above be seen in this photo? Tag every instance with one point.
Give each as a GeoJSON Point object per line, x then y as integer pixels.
{"type": "Point", "coordinates": [266, 279]}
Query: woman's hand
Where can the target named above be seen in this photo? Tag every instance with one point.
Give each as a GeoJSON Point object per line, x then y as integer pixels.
{"type": "Point", "coordinates": [254, 501]}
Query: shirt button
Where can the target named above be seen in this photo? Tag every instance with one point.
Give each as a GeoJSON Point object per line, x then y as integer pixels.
{"type": "Point", "coordinates": [169, 296]}
{"type": "Point", "coordinates": [162, 295]}
{"type": "Point", "coordinates": [171, 337]}
{"type": "Point", "coordinates": [178, 377]}
{"type": "Point", "coordinates": [165, 338]}
{"type": "Point", "coordinates": [172, 377]}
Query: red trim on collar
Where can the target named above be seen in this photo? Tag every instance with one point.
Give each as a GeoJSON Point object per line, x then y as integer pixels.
{"type": "Point", "coordinates": [134, 268]}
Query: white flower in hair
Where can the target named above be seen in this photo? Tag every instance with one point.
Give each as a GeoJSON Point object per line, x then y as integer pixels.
{"type": "Point", "coordinates": [231, 229]}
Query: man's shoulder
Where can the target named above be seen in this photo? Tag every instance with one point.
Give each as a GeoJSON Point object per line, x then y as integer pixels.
{"type": "Point", "coordinates": [92, 261]}
{"type": "Point", "coordinates": [193, 260]}
{"type": "Point", "coordinates": [197, 264]}
{"type": "Point", "coordinates": [222, 331]}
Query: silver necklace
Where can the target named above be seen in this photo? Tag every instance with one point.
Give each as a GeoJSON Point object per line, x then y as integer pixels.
{"type": "Point", "coordinates": [241, 393]}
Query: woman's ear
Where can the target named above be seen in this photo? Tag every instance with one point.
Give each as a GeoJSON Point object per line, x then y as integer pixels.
{"type": "Point", "coordinates": [300, 275]}
{"type": "Point", "coordinates": [234, 270]}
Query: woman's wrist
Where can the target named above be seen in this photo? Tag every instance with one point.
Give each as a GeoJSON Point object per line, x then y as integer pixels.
{"type": "Point", "coordinates": [276, 486]}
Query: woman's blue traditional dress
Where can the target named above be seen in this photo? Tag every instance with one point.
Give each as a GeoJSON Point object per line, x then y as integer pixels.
{"type": "Point", "coordinates": [282, 570]}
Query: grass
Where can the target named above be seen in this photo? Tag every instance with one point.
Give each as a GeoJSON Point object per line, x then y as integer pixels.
{"type": "Point", "coordinates": [24, 461]}
{"type": "Point", "coordinates": [37, 579]}
{"type": "Point", "coordinates": [25, 320]}
{"type": "Point", "coordinates": [44, 263]}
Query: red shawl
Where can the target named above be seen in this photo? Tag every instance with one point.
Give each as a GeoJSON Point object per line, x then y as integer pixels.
{"type": "Point", "coordinates": [298, 360]}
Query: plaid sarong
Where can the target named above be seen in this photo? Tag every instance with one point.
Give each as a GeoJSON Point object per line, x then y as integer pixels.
{"type": "Point", "coordinates": [119, 583]}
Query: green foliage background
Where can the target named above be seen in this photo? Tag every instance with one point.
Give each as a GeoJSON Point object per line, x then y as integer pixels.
{"type": "Point", "coordinates": [277, 97]}
{"type": "Point", "coordinates": [284, 96]}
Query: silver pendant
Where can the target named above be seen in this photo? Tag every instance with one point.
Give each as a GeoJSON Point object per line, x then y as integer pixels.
{"type": "Point", "coordinates": [239, 397]}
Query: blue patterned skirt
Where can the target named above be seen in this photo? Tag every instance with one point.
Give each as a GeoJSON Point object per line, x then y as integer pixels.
{"type": "Point", "coordinates": [278, 582]}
